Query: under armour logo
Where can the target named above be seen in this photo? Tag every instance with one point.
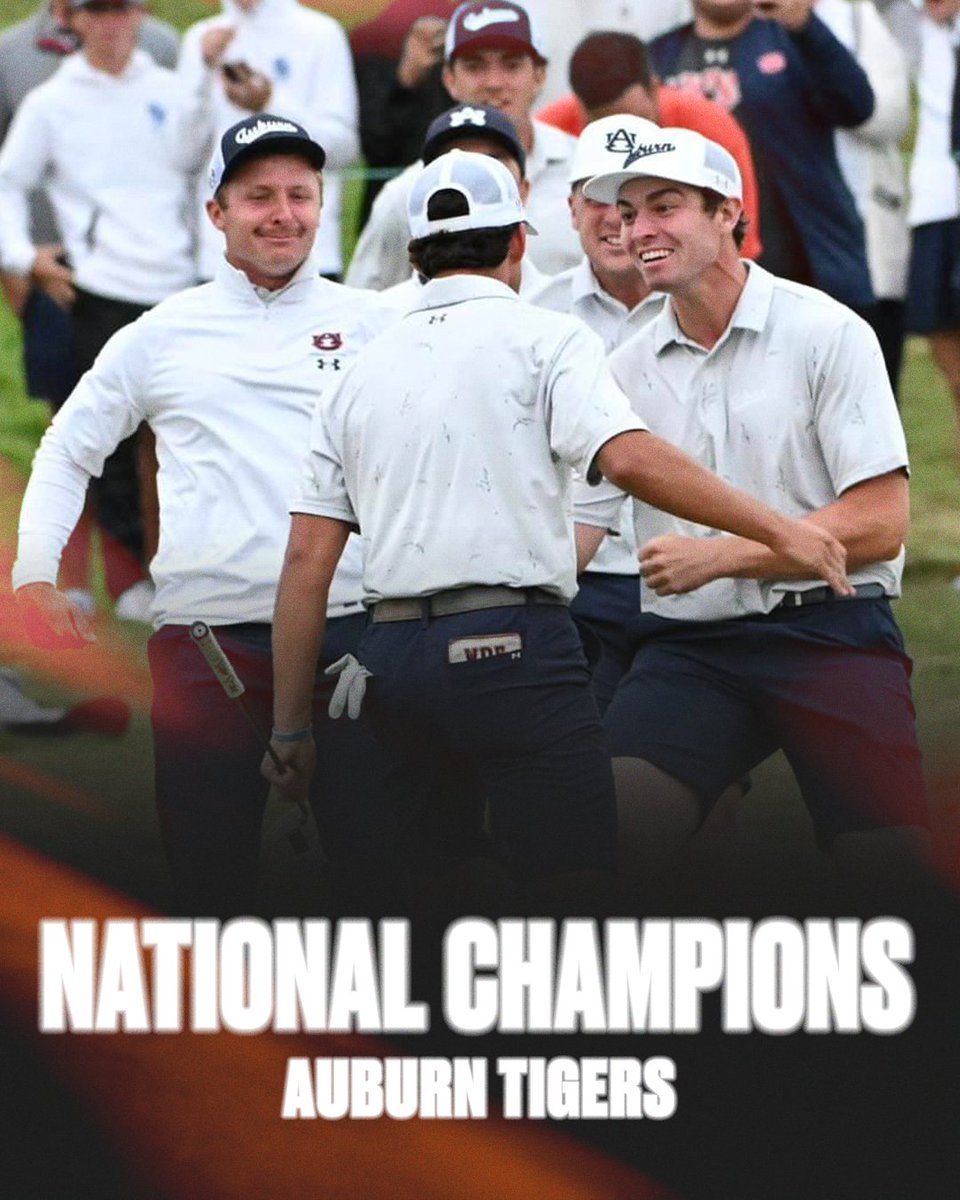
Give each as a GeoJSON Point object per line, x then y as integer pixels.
{"type": "Point", "coordinates": [473, 22]}
{"type": "Point", "coordinates": [468, 116]}
{"type": "Point", "coordinates": [437, 319]}
{"type": "Point", "coordinates": [717, 57]}
{"type": "Point", "coordinates": [647, 148]}
{"type": "Point", "coordinates": [332, 363]}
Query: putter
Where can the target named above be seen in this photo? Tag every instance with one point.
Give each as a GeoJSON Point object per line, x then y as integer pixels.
{"type": "Point", "coordinates": [206, 642]}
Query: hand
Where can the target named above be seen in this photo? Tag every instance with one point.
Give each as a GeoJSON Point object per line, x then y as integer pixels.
{"type": "Point", "coordinates": [215, 41]}
{"type": "Point", "coordinates": [247, 88]}
{"type": "Point", "coordinates": [51, 621]}
{"type": "Point", "coordinates": [16, 290]}
{"type": "Point", "coordinates": [351, 687]}
{"type": "Point", "coordinates": [292, 784]}
{"type": "Point", "coordinates": [422, 50]}
{"type": "Point", "coordinates": [792, 14]}
{"type": "Point", "coordinates": [672, 565]}
{"type": "Point", "coordinates": [817, 553]}
{"type": "Point", "coordinates": [51, 274]}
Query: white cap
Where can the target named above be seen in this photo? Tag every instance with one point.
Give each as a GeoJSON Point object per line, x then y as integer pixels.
{"type": "Point", "coordinates": [493, 199]}
{"type": "Point", "coordinates": [680, 155]}
{"type": "Point", "coordinates": [604, 145]}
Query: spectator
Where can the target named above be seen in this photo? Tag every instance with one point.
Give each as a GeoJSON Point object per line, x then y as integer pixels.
{"type": "Point", "coordinates": [931, 38]}
{"type": "Point", "coordinates": [790, 83]}
{"type": "Point", "coordinates": [611, 73]}
{"type": "Point", "coordinates": [124, 237]}
{"type": "Point", "coordinates": [607, 292]}
{"type": "Point", "coordinates": [500, 63]}
{"type": "Point", "coordinates": [276, 54]}
{"type": "Point", "coordinates": [30, 52]}
{"type": "Point", "coordinates": [480, 129]}
{"type": "Point", "coordinates": [871, 160]}
{"type": "Point", "coordinates": [398, 71]}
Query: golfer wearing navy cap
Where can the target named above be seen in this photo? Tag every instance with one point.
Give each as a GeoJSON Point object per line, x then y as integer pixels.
{"type": "Point", "coordinates": [227, 376]}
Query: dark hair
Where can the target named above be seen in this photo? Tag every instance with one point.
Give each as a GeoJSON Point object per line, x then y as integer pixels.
{"type": "Point", "coordinates": [711, 204]}
{"type": "Point", "coordinates": [605, 65]}
{"type": "Point", "coordinates": [470, 249]}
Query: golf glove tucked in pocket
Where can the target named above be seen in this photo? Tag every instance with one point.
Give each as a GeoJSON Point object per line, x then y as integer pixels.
{"type": "Point", "coordinates": [351, 687]}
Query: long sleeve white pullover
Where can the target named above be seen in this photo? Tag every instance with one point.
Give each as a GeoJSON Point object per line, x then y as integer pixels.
{"type": "Point", "coordinates": [227, 377]}
{"type": "Point", "coordinates": [114, 154]}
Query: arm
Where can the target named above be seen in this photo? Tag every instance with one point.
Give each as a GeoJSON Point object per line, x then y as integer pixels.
{"type": "Point", "coordinates": [869, 520]}
{"type": "Point", "coordinates": [23, 164]}
{"type": "Point", "coordinates": [104, 408]}
{"type": "Point", "coordinates": [313, 551]}
{"type": "Point", "coordinates": [834, 84]}
{"type": "Point", "coordinates": [588, 539]}
{"type": "Point", "coordinates": [876, 50]}
{"type": "Point", "coordinates": [658, 473]}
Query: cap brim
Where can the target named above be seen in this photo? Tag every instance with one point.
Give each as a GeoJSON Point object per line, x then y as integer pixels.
{"type": "Point", "coordinates": [496, 41]}
{"type": "Point", "coordinates": [275, 145]}
{"type": "Point", "coordinates": [441, 143]}
{"type": "Point", "coordinates": [604, 189]}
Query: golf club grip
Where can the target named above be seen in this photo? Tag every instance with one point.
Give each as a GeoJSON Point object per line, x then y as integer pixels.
{"type": "Point", "coordinates": [209, 647]}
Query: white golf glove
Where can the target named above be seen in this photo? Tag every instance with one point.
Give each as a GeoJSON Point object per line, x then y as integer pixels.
{"type": "Point", "coordinates": [351, 687]}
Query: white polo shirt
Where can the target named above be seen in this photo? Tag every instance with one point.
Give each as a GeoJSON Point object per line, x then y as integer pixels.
{"type": "Point", "coordinates": [577, 291]}
{"type": "Point", "coordinates": [451, 443]}
{"type": "Point", "coordinates": [792, 404]}
{"type": "Point", "coordinates": [227, 376]}
{"type": "Point", "coordinates": [380, 258]}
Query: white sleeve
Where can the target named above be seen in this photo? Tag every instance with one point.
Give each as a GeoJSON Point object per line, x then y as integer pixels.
{"type": "Point", "coordinates": [598, 505]}
{"type": "Point", "coordinates": [330, 110]}
{"type": "Point", "coordinates": [380, 259]}
{"type": "Point", "coordinates": [323, 489]}
{"type": "Point", "coordinates": [585, 407]}
{"type": "Point", "coordinates": [24, 159]}
{"type": "Point", "coordinates": [858, 426]}
{"type": "Point", "coordinates": [105, 407]}
{"type": "Point", "coordinates": [883, 61]}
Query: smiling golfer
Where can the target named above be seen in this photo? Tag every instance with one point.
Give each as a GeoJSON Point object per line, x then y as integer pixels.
{"type": "Point", "coordinates": [227, 376]}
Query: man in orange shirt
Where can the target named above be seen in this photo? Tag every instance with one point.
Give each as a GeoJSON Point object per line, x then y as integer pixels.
{"type": "Point", "coordinates": [610, 73]}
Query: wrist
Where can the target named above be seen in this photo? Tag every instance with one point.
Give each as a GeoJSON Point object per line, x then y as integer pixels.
{"type": "Point", "coordinates": [288, 736]}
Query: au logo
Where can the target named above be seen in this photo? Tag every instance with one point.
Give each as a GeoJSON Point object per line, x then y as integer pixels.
{"type": "Point", "coordinates": [327, 341]}
{"type": "Point", "coordinates": [621, 141]}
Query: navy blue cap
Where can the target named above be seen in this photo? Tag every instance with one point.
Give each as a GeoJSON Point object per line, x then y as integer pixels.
{"type": "Point", "coordinates": [255, 136]}
{"type": "Point", "coordinates": [470, 121]}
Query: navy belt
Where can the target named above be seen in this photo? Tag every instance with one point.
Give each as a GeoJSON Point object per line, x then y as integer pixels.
{"type": "Point", "coordinates": [459, 600]}
{"type": "Point", "coordinates": [819, 595]}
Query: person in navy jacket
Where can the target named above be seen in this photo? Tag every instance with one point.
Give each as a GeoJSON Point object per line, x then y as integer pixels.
{"type": "Point", "coordinates": [790, 83]}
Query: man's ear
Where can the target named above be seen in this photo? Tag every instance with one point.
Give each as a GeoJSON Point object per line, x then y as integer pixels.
{"type": "Point", "coordinates": [730, 210]}
{"type": "Point", "coordinates": [518, 244]}
{"type": "Point", "coordinates": [215, 213]}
